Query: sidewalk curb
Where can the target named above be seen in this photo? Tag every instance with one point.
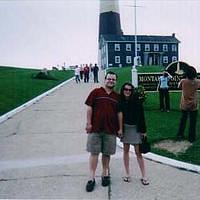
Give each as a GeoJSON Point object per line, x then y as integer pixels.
{"type": "Point", "coordinates": [9, 114]}
{"type": "Point", "coordinates": [166, 161]}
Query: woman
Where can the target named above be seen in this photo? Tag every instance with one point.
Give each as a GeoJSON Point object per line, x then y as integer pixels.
{"type": "Point", "coordinates": [189, 103]}
{"type": "Point", "coordinates": [163, 88]}
{"type": "Point", "coordinates": [134, 128]}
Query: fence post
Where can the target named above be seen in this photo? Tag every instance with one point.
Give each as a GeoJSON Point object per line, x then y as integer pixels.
{"type": "Point", "coordinates": [134, 76]}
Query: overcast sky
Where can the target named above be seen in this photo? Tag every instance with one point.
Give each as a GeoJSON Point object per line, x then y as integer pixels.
{"type": "Point", "coordinates": [45, 33]}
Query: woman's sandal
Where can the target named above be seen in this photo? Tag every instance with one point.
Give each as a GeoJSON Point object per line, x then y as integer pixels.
{"type": "Point", "coordinates": [144, 181]}
{"type": "Point", "coordinates": [127, 179]}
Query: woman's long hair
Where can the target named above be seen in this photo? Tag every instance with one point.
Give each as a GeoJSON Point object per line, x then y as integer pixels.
{"type": "Point", "coordinates": [123, 98]}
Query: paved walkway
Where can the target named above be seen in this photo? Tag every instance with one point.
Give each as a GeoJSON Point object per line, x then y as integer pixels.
{"type": "Point", "coordinates": [43, 156]}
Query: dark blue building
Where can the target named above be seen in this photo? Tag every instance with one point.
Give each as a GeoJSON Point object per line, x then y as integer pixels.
{"type": "Point", "coordinates": [119, 50]}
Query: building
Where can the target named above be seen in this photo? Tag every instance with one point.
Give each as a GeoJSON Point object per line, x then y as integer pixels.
{"type": "Point", "coordinates": [119, 50]}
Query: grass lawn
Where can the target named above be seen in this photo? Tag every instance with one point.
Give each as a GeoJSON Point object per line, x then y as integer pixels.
{"type": "Point", "coordinates": [162, 125]}
{"type": "Point", "coordinates": [17, 85]}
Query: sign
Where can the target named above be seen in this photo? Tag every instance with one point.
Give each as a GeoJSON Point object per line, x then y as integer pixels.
{"type": "Point", "coordinates": [150, 81]}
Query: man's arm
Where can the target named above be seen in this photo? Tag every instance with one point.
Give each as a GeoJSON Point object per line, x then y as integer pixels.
{"type": "Point", "coordinates": [89, 120]}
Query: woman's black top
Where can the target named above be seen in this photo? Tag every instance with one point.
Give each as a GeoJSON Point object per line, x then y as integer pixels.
{"type": "Point", "coordinates": [133, 113]}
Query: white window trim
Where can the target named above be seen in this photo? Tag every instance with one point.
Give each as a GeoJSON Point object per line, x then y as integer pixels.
{"type": "Point", "coordinates": [117, 58]}
{"type": "Point", "coordinates": [147, 47]}
{"type": "Point", "coordinates": [156, 47]}
{"type": "Point", "coordinates": [138, 47]}
{"type": "Point", "coordinates": [128, 59]}
{"type": "Point", "coordinates": [174, 48]}
{"type": "Point", "coordinates": [165, 59]}
{"type": "Point", "coordinates": [165, 47]}
{"type": "Point", "coordinates": [117, 47]}
{"type": "Point", "coordinates": [174, 58]}
{"type": "Point", "coordinates": [128, 47]}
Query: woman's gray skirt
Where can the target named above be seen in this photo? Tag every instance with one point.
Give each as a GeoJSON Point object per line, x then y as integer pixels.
{"type": "Point", "coordinates": [130, 135]}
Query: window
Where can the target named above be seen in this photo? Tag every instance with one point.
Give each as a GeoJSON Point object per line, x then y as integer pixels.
{"type": "Point", "coordinates": [174, 47]}
{"type": "Point", "coordinates": [117, 59]}
{"type": "Point", "coordinates": [165, 59]}
{"type": "Point", "coordinates": [138, 47]}
{"type": "Point", "coordinates": [147, 47]}
{"type": "Point", "coordinates": [174, 58]}
{"type": "Point", "coordinates": [117, 47]}
{"type": "Point", "coordinates": [165, 47]}
{"type": "Point", "coordinates": [128, 59]}
{"type": "Point", "coordinates": [156, 47]}
{"type": "Point", "coordinates": [128, 47]}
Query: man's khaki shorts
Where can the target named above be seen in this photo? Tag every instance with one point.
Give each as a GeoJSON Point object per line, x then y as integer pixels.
{"type": "Point", "coordinates": [101, 143]}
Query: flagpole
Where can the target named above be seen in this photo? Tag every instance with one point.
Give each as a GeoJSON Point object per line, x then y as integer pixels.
{"type": "Point", "coordinates": [134, 70]}
{"type": "Point", "coordinates": [135, 19]}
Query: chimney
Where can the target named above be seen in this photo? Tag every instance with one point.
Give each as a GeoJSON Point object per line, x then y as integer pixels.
{"type": "Point", "coordinates": [109, 20]}
{"type": "Point", "coordinates": [173, 34]}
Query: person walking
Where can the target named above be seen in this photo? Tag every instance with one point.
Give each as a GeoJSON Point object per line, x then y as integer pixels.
{"type": "Point", "coordinates": [86, 73]}
{"type": "Point", "coordinates": [77, 74]}
{"type": "Point", "coordinates": [163, 89]}
{"type": "Point", "coordinates": [81, 72]}
{"type": "Point", "coordinates": [102, 126]}
{"type": "Point", "coordinates": [189, 103]}
{"type": "Point", "coordinates": [95, 73]}
{"type": "Point", "coordinates": [134, 129]}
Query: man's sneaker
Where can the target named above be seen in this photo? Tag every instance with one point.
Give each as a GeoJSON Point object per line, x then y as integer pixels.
{"type": "Point", "coordinates": [90, 185]}
{"type": "Point", "coordinates": [105, 181]}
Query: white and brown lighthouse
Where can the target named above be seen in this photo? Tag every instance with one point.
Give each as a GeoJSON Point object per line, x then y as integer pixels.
{"type": "Point", "coordinates": [109, 20]}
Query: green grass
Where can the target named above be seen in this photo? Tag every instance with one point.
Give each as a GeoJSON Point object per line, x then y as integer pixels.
{"type": "Point", "coordinates": [149, 69]}
{"type": "Point", "coordinates": [17, 85]}
{"type": "Point", "coordinates": [162, 125]}
{"type": "Point", "coordinates": [124, 74]}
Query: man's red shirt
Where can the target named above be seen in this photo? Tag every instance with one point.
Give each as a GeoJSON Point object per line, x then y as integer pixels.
{"type": "Point", "coordinates": [104, 111]}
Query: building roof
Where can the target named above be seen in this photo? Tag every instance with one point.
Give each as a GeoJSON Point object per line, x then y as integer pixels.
{"type": "Point", "coordinates": [142, 38]}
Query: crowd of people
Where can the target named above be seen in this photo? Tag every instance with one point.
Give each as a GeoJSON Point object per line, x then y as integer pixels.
{"type": "Point", "coordinates": [86, 72]}
{"type": "Point", "coordinates": [111, 115]}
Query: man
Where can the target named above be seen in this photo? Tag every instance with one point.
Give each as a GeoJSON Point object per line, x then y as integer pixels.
{"type": "Point", "coordinates": [102, 126]}
{"type": "Point", "coordinates": [189, 103]}
{"type": "Point", "coordinates": [86, 73]}
{"type": "Point", "coordinates": [163, 88]}
{"type": "Point", "coordinates": [95, 73]}
{"type": "Point", "coordinates": [77, 74]}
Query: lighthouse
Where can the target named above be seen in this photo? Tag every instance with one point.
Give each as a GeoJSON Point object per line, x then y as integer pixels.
{"type": "Point", "coordinates": [109, 20]}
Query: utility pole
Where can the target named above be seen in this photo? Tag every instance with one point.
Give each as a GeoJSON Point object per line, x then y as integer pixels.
{"type": "Point", "coordinates": [135, 60]}
{"type": "Point", "coordinates": [135, 20]}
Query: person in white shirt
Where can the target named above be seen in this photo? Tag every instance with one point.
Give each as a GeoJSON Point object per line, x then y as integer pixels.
{"type": "Point", "coordinates": [163, 89]}
{"type": "Point", "coordinates": [77, 74]}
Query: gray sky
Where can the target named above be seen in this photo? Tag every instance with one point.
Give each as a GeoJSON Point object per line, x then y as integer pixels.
{"type": "Point", "coordinates": [44, 33]}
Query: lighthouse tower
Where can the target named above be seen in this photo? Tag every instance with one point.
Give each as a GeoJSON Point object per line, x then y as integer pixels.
{"type": "Point", "coordinates": [109, 20]}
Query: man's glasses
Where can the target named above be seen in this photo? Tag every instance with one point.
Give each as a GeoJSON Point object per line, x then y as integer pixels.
{"type": "Point", "coordinates": [127, 89]}
{"type": "Point", "coordinates": [111, 79]}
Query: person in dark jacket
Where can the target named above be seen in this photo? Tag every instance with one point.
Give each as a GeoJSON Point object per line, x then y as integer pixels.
{"type": "Point", "coordinates": [134, 128]}
{"type": "Point", "coordinates": [95, 73]}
